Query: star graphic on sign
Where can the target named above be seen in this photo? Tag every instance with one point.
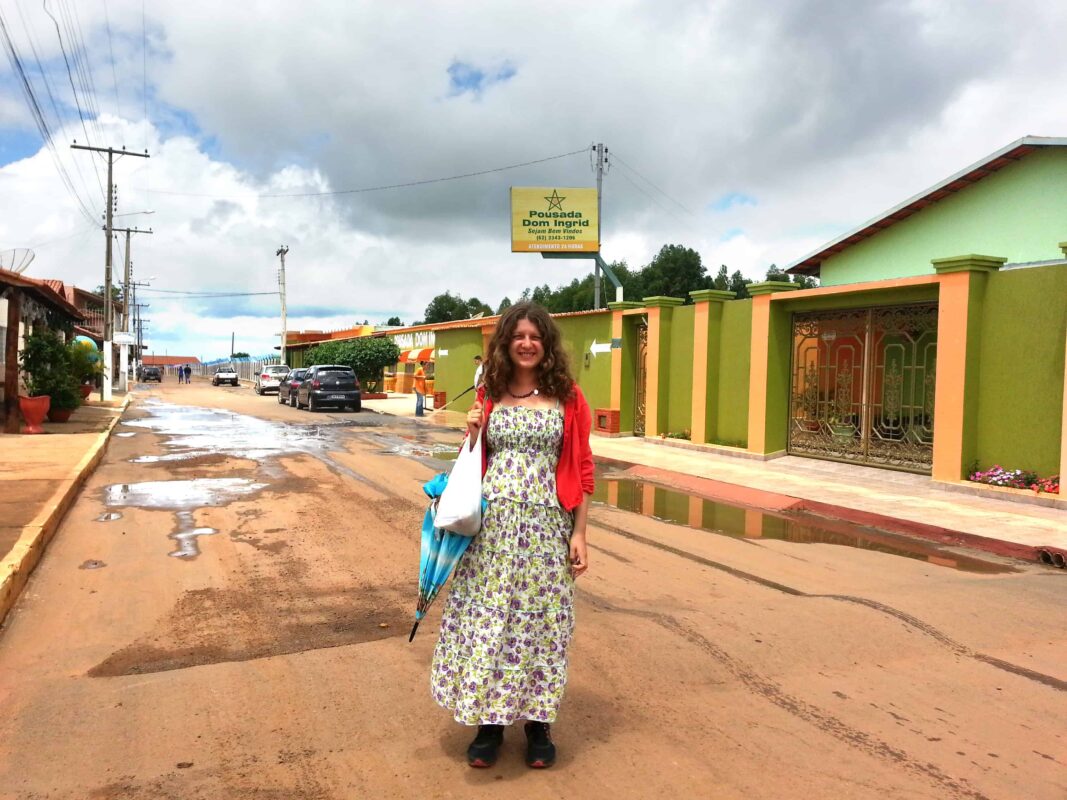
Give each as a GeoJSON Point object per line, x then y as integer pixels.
{"type": "Point", "coordinates": [555, 201]}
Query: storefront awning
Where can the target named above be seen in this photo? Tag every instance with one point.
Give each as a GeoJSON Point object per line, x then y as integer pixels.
{"type": "Point", "coordinates": [416, 355]}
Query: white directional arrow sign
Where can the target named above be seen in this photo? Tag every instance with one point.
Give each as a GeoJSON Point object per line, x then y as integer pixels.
{"type": "Point", "coordinates": [595, 348]}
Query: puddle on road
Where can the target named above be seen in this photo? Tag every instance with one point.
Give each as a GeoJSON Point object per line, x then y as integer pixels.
{"type": "Point", "coordinates": [109, 516]}
{"type": "Point", "coordinates": [126, 434]}
{"type": "Point", "coordinates": [441, 452]}
{"type": "Point", "coordinates": [196, 432]}
{"type": "Point", "coordinates": [682, 508]}
{"type": "Point", "coordinates": [180, 495]}
{"type": "Point", "coordinates": [186, 537]}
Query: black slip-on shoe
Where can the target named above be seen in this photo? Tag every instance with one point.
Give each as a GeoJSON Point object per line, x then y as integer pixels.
{"type": "Point", "coordinates": [485, 748]}
{"type": "Point", "coordinates": [540, 752]}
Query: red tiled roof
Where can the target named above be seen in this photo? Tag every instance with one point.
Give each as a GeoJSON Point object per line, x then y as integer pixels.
{"type": "Point", "coordinates": [168, 361]}
{"type": "Point", "coordinates": [42, 290]}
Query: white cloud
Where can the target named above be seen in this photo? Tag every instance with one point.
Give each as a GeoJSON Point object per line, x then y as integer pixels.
{"type": "Point", "coordinates": [825, 111]}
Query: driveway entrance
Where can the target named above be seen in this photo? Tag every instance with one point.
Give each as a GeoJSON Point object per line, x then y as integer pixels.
{"type": "Point", "coordinates": [862, 386]}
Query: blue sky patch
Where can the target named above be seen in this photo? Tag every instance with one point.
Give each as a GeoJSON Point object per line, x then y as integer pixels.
{"type": "Point", "coordinates": [17, 144]}
{"type": "Point", "coordinates": [464, 77]}
{"type": "Point", "coordinates": [732, 200]}
{"type": "Point", "coordinates": [733, 233]}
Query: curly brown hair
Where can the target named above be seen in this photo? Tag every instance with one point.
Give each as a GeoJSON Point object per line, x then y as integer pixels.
{"type": "Point", "coordinates": [553, 373]}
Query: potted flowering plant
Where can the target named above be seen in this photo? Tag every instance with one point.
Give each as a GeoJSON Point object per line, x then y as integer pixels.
{"type": "Point", "coordinates": [85, 364]}
{"type": "Point", "coordinates": [49, 380]}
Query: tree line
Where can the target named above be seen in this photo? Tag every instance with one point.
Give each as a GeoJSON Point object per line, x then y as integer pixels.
{"type": "Point", "coordinates": [675, 271]}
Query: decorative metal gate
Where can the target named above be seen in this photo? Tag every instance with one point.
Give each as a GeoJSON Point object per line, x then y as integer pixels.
{"type": "Point", "coordinates": [862, 386]}
{"type": "Point", "coordinates": [639, 379]}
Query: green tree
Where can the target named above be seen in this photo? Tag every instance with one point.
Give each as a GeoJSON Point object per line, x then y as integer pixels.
{"type": "Point", "coordinates": [776, 274]}
{"type": "Point", "coordinates": [394, 322]}
{"type": "Point", "coordinates": [805, 281]}
{"type": "Point", "coordinates": [240, 355]}
{"type": "Point", "coordinates": [476, 306]}
{"type": "Point", "coordinates": [367, 356]}
{"type": "Point", "coordinates": [116, 291]}
{"type": "Point", "coordinates": [675, 271]}
{"type": "Point", "coordinates": [739, 285]}
{"type": "Point", "coordinates": [505, 304]}
{"type": "Point", "coordinates": [445, 308]}
{"type": "Point", "coordinates": [722, 280]}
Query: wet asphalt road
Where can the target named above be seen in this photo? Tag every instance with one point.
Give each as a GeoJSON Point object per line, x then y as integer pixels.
{"type": "Point", "coordinates": [224, 614]}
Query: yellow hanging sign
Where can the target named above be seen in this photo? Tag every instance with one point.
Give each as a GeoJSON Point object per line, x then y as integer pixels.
{"type": "Point", "coordinates": [552, 220]}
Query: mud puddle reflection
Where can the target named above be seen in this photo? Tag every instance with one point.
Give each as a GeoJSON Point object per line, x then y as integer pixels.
{"type": "Point", "coordinates": [196, 432]}
{"type": "Point", "coordinates": [183, 498]}
{"type": "Point", "coordinates": [724, 519]}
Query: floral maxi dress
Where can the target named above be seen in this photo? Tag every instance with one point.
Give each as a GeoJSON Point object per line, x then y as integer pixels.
{"type": "Point", "coordinates": [502, 652]}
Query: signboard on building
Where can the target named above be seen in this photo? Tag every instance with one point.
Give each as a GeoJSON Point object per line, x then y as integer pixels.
{"type": "Point", "coordinates": [123, 338]}
{"type": "Point", "coordinates": [562, 220]}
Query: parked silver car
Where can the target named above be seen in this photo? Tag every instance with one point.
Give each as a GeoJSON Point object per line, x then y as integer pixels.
{"type": "Point", "coordinates": [270, 377]}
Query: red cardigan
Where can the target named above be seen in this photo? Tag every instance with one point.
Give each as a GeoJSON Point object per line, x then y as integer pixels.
{"type": "Point", "coordinates": [574, 473]}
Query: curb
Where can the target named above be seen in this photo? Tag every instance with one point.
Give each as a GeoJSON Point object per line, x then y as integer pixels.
{"type": "Point", "coordinates": [18, 564]}
{"type": "Point", "coordinates": [711, 489]}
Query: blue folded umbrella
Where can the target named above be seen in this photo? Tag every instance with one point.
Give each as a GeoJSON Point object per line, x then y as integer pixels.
{"type": "Point", "coordinates": [440, 551]}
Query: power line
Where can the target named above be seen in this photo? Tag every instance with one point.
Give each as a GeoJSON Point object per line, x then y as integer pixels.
{"type": "Point", "coordinates": [70, 75]}
{"type": "Point", "coordinates": [207, 294]}
{"type": "Point", "coordinates": [83, 232]}
{"type": "Point", "coordinates": [60, 166]}
{"type": "Point", "coordinates": [377, 188]}
{"type": "Point", "coordinates": [655, 200]}
{"type": "Point", "coordinates": [39, 118]}
{"type": "Point", "coordinates": [650, 183]}
{"type": "Point", "coordinates": [111, 50]}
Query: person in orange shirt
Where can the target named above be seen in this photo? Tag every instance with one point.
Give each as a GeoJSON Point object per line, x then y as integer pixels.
{"type": "Point", "coordinates": [420, 389]}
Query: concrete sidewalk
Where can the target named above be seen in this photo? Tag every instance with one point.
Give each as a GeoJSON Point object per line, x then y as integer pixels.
{"type": "Point", "coordinates": [895, 501]}
{"type": "Point", "coordinates": [39, 479]}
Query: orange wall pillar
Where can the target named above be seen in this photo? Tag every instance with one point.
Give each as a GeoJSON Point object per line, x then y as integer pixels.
{"type": "Point", "coordinates": [757, 376]}
{"type": "Point", "coordinates": [962, 282]}
{"type": "Point", "coordinates": [616, 360]}
{"type": "Point", "coordinates": [657, 379]}
{"type": "Point", "coordinates": [761, 360]}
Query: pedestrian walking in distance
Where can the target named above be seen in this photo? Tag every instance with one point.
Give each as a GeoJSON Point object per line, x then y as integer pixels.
{"type": "Point", "coordinates": [188, 373]}
{"type": "Point", "coordinates": [420, 389]}
{"type": "Point", "coordinates": [477, 372]}
{"type": "Point", "coordinates": [181, 374]}
{"type": "Point", "coordinates": [501, 656]}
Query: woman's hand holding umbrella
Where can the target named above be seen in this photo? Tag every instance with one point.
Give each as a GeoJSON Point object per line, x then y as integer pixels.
{"type": "Point", "coordinates": [474, 421]}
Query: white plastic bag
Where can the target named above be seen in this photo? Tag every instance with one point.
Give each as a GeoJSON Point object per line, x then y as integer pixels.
{"type": "Point", "coordinates": [460, 508]}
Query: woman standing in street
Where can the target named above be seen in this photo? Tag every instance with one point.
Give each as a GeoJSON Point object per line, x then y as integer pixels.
{"type": "Point", "coordinates": [502, 652]}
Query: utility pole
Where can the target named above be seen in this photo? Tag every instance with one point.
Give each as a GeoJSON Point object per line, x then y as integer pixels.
{"type": "Point", "coordinates": [601, 163]}
{"type": "Point", "coordinates": [124, 348]}
{"type": "Point", "coordinates": [281, 287]}
{"type": "Point", "coordinates": [138, 339]}
{"type": "Point", "coordinates": [232, 335]}
{"type": "Point", "coordinates": [109, 322]}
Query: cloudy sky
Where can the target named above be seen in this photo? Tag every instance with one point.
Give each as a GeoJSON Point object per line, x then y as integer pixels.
{"type": "Point", "coordinates": [750, 130]}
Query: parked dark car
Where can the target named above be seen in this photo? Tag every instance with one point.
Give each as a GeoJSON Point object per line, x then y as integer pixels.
{"type": "Point", "coordinates": [287, 386]}
{"type": "Point", "coordinates": [151, 374]}
{"type": "Point", "coordinates": [329, 385]}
